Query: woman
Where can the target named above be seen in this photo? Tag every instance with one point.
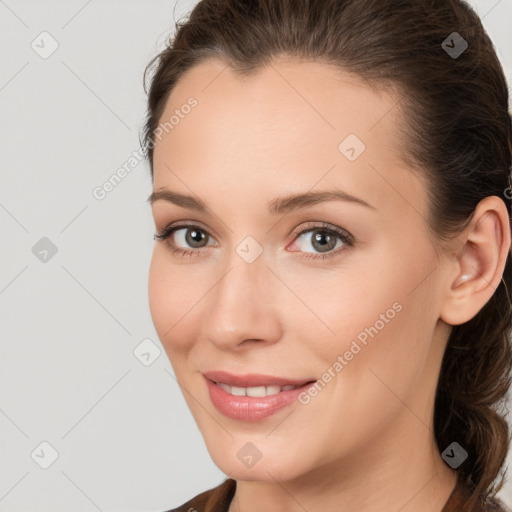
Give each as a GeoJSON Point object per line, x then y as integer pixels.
{"type": "Point", "coordinates": [331, 277]}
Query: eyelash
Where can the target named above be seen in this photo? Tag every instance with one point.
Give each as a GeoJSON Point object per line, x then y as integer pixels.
{"type": "Point", "coordinates": [343, 235]}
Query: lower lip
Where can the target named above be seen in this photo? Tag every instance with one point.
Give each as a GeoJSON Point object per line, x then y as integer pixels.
{"type": "Point", "coordinates": [251, 408]}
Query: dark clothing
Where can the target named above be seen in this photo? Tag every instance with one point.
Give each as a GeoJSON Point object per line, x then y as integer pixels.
{"type": "Point", "coordinates": [219, 498]}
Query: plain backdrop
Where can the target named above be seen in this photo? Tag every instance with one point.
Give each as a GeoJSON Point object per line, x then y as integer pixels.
{"type": "Point", "coordinates": [91, 417]}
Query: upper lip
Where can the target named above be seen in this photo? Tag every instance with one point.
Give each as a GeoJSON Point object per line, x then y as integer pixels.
{"type": "Point", "coordinates": [253, 379]}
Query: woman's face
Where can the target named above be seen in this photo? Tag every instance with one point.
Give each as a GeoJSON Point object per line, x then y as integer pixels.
{"type": "Point", "coordinates": [285, 274]}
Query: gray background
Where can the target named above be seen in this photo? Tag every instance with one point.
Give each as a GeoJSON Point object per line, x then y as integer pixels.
{"type": "Point", "coordinates": [69, 377]}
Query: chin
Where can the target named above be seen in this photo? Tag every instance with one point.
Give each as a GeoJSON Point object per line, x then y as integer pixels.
{"type": "Point", "coordinates": [265, 469]}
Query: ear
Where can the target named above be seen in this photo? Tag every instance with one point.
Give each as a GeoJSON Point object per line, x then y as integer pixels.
{"type": "Point", "coordinates": [478, 268]}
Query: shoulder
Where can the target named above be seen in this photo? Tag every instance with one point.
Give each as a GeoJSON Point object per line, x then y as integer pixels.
{"type": "Point", "coordinates": [216, 499]}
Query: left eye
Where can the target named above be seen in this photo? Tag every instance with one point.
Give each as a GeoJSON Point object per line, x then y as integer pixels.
{"type": "Point", "coordinates": [192, 236]}
{"type": "Point", "coordinates": [322, 240]}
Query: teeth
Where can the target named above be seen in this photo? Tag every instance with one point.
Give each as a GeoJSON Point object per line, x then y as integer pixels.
{"type": "Point", "coordinates": [257, 391]}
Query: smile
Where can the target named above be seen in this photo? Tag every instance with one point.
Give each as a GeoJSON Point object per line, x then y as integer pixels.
{"type": "Point", "coordinates": [253, 403]}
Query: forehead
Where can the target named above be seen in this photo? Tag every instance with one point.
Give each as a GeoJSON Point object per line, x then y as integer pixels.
{"type": "Point", "coordinates": [279, 96]}
{"type": "Point", "coordinates": [288, 126]}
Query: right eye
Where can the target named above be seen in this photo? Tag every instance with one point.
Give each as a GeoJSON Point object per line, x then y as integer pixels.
{"type": "Point", "coordinates": [184, 239]}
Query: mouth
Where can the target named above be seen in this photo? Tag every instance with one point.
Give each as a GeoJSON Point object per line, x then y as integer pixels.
{"type": "Point", "coordinates": [253, 402]}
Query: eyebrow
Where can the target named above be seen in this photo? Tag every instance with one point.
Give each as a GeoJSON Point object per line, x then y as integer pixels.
{"type": "Point", "coordinates": [279, 205]}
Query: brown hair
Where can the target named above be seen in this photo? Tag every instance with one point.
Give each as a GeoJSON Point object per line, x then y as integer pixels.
{"type": "Point", "coordinates": [457, 130]}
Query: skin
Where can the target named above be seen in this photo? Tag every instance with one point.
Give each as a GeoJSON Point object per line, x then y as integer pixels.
{"type": "Point", "coordinates": [366, 441]}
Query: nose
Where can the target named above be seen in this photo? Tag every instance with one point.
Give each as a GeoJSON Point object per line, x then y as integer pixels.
{"type": "Point", "coordinates": [242, 307]}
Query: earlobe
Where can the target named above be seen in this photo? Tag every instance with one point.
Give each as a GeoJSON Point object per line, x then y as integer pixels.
{"type": "Point", "coordinates": [478, 269]}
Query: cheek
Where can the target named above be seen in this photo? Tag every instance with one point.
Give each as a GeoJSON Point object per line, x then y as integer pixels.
{"type": "Point", "coordinates": [173, 290]}
{"type": "Point", "coordinates": [384, 340]}
{"type": "Point", "coordinates": [336, 305]}
{"type": "Point", "coordinates": [376, 316]}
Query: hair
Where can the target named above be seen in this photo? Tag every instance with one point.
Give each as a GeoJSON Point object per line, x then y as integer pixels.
{"type": "Point", "coordinates": [456, 131]}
